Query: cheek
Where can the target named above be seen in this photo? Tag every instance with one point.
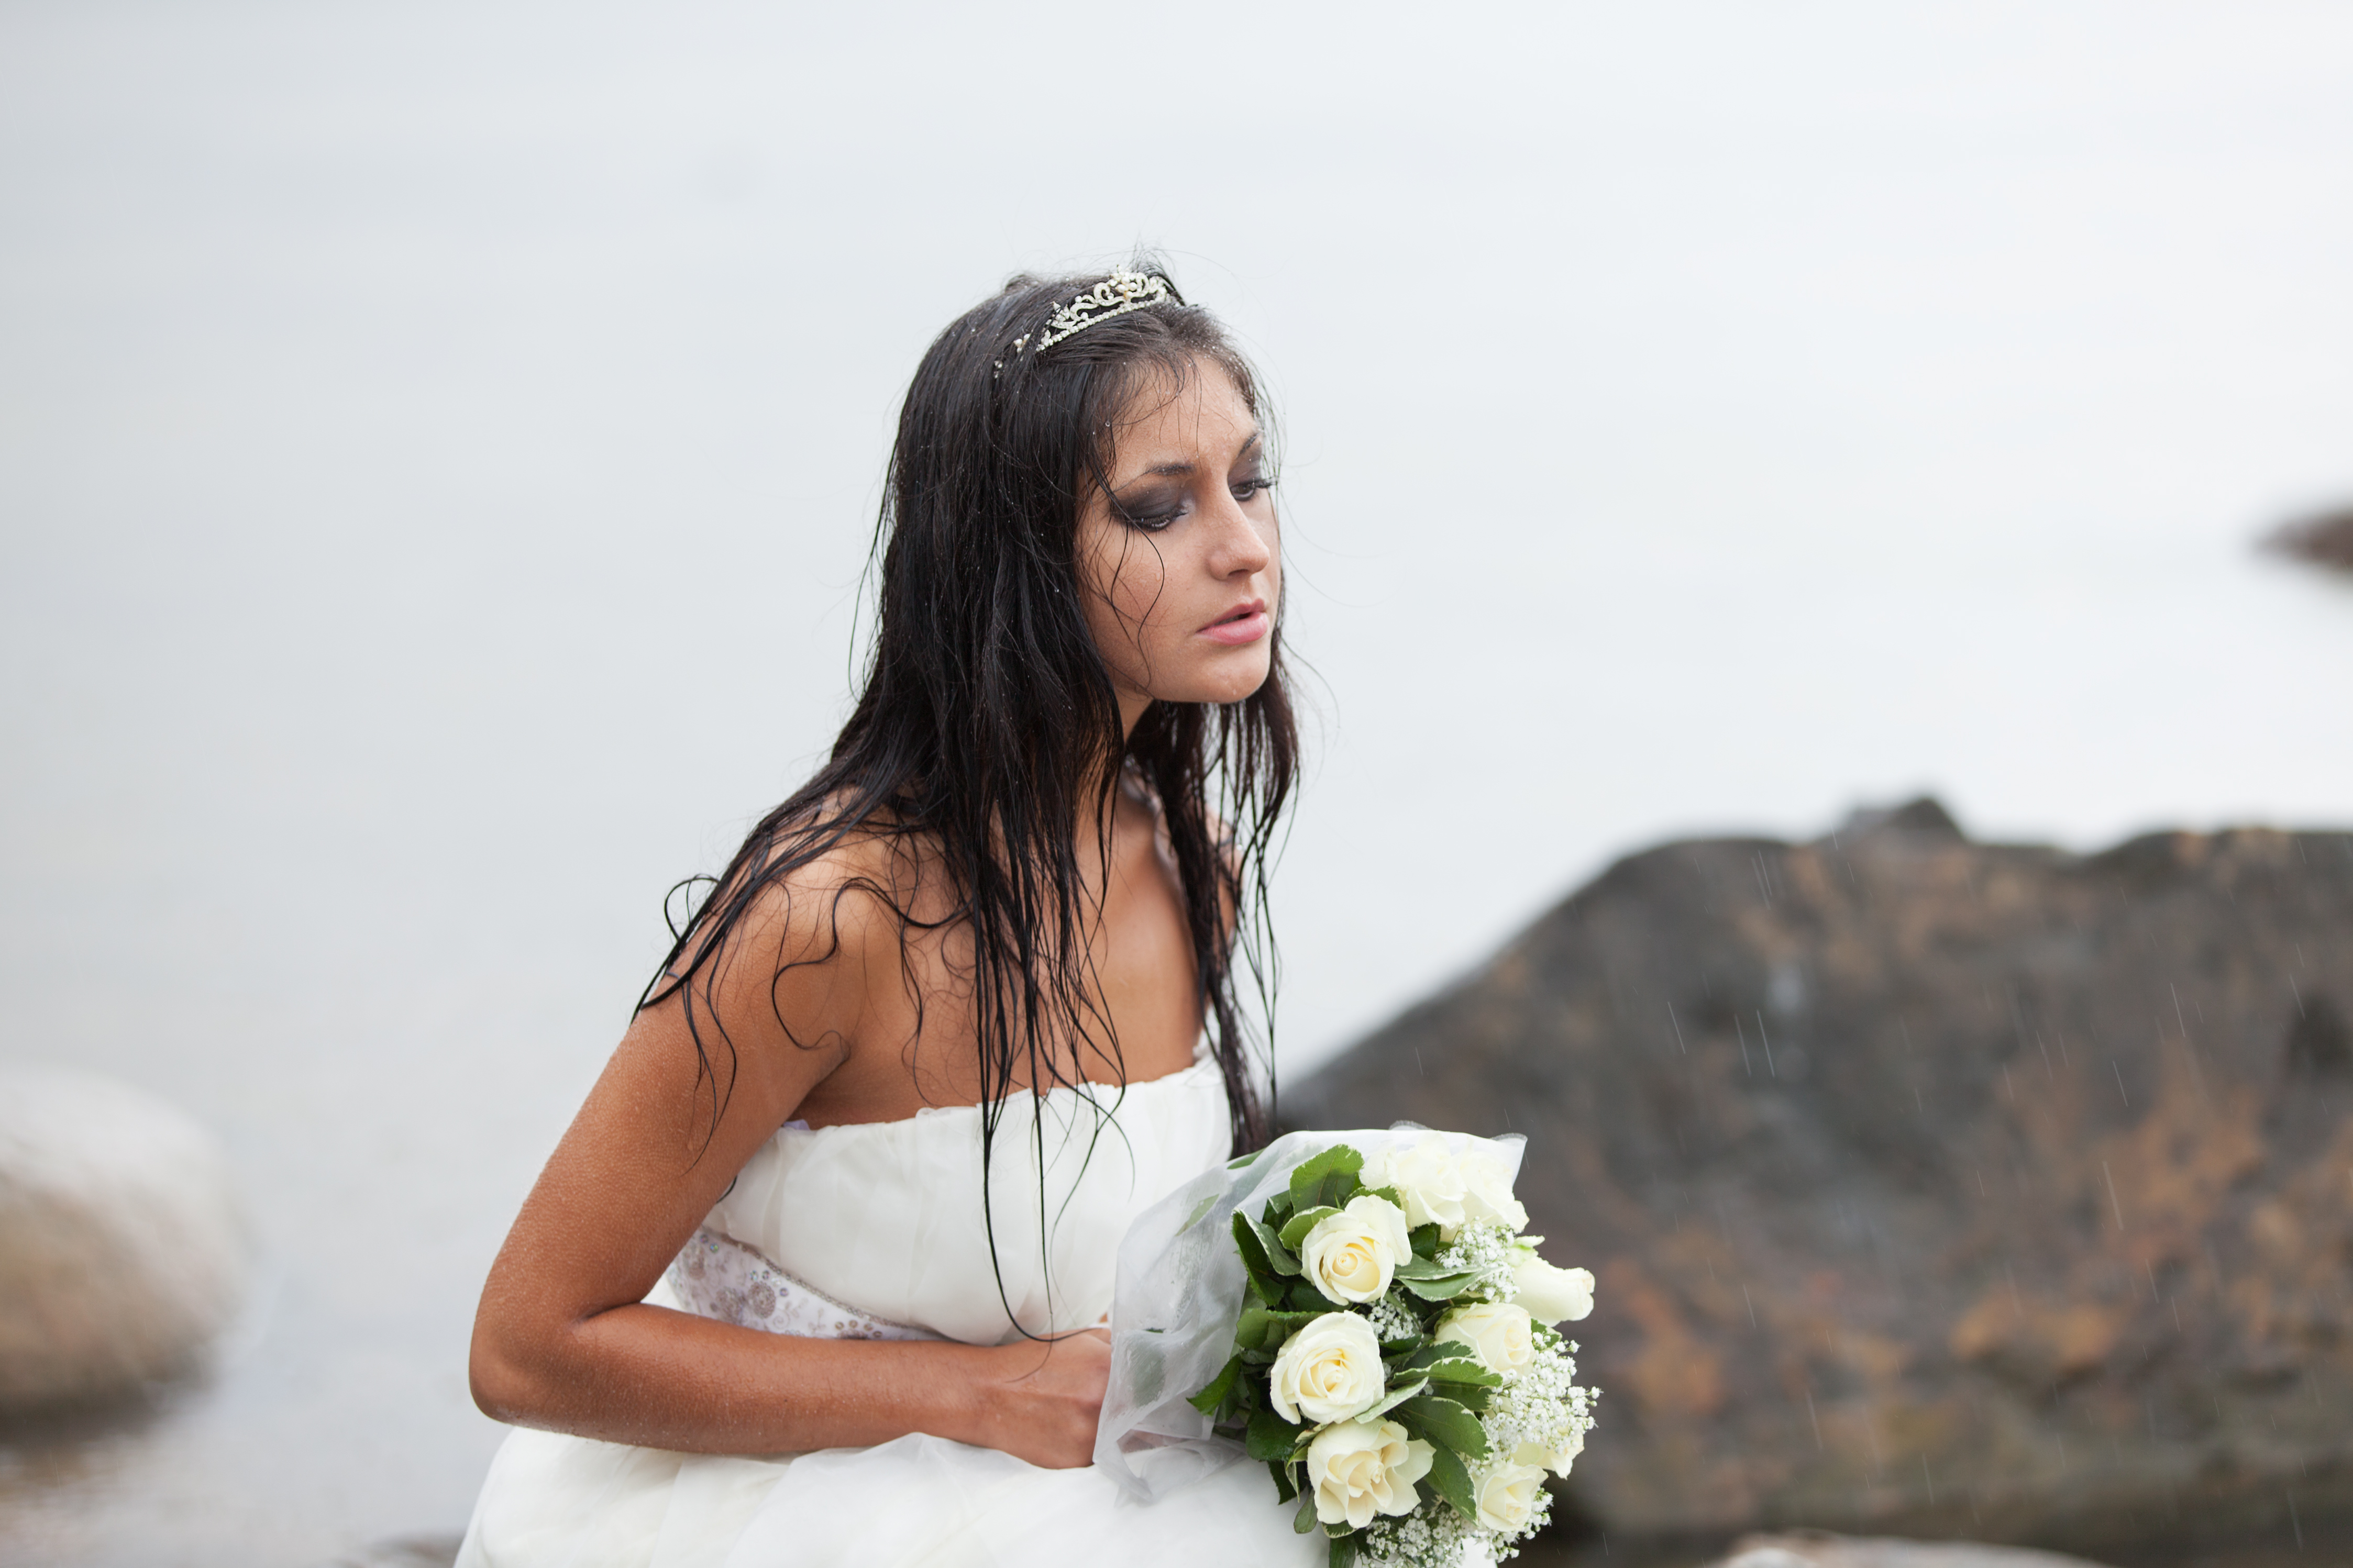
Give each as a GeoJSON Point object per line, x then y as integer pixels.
{"type": "Point", "coordinates": [1125, 579]}
{"type": "Point", "coordinates": [1120, 575]}
{"type": "Point", "coordinates": [1137, 589]}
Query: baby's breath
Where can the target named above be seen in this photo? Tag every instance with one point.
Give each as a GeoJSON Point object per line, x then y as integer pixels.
{"type": "Point", "coordinates": [1540, 1403]}
{"type": "Point", "coordinates": [1393, 1317]}
{"type": "Point", "coordinates": [1483, 1249]}
{"type": "Point", "coordinates": [1430, 1537]}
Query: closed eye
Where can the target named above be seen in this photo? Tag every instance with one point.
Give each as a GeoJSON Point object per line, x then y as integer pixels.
{"type": "Point", "coordinates": [1150, 520]}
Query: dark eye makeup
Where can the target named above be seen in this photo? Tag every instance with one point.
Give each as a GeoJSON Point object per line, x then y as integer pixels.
{"type": "Point", "coordinates": [1152, 508]}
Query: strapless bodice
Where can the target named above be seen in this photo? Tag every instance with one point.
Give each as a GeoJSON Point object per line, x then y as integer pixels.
{"type": "Point", "coordinates": [885, 1218]}
{"type": "Point", "coordinates": [876, 1230]}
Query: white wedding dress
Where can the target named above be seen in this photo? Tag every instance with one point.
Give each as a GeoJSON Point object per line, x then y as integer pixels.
{"type": "Point", "coordinates": [875, 1231]}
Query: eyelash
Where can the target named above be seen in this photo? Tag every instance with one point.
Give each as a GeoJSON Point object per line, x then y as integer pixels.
{"type": "Point", "coordinates": [1157, 521]}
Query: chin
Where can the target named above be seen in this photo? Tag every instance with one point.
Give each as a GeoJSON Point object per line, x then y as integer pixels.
{"type": "Point", "coordinates": [1234, 687]}
{"type": "Point", "coordinates": [1230, 675]}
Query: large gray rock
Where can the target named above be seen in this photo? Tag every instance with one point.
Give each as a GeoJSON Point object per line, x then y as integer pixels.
{"type": "Point", "coordinates": [1937, 1188]}
{"type": "Point", "coordinates": [123, 1250]}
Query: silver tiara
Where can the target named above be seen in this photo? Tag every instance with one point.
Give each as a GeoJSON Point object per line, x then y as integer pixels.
{"type": "Point", "coordinates": [1114, 295]}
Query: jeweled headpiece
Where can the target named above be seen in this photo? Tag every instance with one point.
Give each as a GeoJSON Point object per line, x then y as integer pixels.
{"type": "Point", "coordinates": [1114, 295]}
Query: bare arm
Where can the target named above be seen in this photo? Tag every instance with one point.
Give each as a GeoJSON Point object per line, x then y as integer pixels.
{"type": "Point", "coordinates": [561, 1339]}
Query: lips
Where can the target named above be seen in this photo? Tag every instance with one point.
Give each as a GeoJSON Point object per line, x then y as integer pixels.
{"type": "Point", "coordinates": [1245, 623]}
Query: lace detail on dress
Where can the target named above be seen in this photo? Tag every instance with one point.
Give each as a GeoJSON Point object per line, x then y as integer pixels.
{"type": "Point", "coordinates": [718, 1277]}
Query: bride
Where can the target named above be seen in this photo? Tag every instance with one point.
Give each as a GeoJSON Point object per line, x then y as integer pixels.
{"type": "Point", "coordinates": [817, 1272]}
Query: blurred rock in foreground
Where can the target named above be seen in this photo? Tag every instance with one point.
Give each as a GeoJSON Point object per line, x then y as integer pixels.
{"type": "Point", "coordinates": [405, 1552]}
{"type": "Point", "coordinates": [1815, 1549]}
{"type": "Point", "coordinates": [122, 1251]}
{"type": "Point", "coordinates": [1957, 1189]}
{"type": "Point", "coordinates": [2325, 540]}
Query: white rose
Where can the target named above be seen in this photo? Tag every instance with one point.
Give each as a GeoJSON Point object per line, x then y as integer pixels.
{"type": "Point", "coordinates": [1359, 1468]}
{"type": "Point", "coordinates": [1350, 1255]}
{"type": "Point", "coordinates": [1496, 1331]}
{"type": "Point", "coordinates": [1506, 1496]}
{"type": "Point", "coordinates": [1487, 1190]}
{"type": "Point", "coordinates": [1427, 1177]}
{"type": "Point", "coordinates": [1544, 1457]}
{"type": "Point", "coordinates": [1552, 1295]}
{"type": "Point", "coordinates": [1328, 1371]}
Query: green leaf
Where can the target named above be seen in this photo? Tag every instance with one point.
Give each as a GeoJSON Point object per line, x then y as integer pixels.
{"type": "Point", "coordinates": [1325, 1179]}
{"type": "Point", "coordinates": [1283, 1488]}
{"type": "Point", "coordinates": [1296, 1228]}
{"type": "Point", "coordinates": [1343, 1552]}
{"type": "Point", "coordinates": [1246, 1242]}
{"type": "Point", "coordinates": [1396, 1396]}
{"type": "Point", "coordinates": [1458, 1368]}
{"type": "Point", "coordinates": [1445, 1423]}
{"type": "Point", "coordinates": [1210, 1400]}
{"type": "Point", "coordinates": [1271, 1436]}
{"type": "Point", "coordinates": [1203, 1207]}
{"type": "Point", "coordinates": [1425, 1240]}
{"type": "Point", "coordinates": [1278, 1256]}
{"type": "Point", "coordinates": [1303, 1297]}
{"type": "Point", "coordinates": [1304, 1521]}
{"type": "Point", "coordinates": [1264, 1285]}
{"type": "Point", "coordinates": [1452, 1480]}
{"type": "Point", "coordinates": [1265, 1331]}
{"type": "Point", "coordinates": [1420, 1267]}
{"type": "Point", "coordinates": [1445, 1287]}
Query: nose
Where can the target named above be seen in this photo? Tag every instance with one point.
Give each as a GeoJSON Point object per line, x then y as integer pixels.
{"type": "Point", "coordinates": [1243, 547]}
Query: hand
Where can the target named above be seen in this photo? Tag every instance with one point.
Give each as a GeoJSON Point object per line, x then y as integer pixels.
{"type": "Point", "coordinates": [1040, 1401]}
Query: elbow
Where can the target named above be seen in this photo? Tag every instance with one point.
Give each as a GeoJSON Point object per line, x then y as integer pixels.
{"type": "Point", "coordinates": [498, 1391]}
{"type": "Point", "coordinates": [502, 1382]}
{"type": "Point", "coordinates": [495, 1394]}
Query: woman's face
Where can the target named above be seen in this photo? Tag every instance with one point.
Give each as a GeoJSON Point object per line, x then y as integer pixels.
{"type": "Point", "coordinates": [1179, 557]}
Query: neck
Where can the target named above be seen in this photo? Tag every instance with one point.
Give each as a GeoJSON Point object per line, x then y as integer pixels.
{"type": "Point", "coordinates": [1097, 805]}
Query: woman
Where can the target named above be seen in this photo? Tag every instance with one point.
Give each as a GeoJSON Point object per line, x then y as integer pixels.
{"type": "Point", "coordinates": [851, 1184]}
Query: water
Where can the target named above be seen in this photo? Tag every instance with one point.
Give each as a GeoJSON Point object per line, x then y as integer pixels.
{"type": "Point", "coordinates": [437, 447]}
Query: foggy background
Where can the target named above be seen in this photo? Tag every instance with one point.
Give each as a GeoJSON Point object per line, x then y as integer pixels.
{"type": "Point", "coordinates": [439, 447]}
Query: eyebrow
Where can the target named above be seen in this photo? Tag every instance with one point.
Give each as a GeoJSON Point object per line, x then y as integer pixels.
{"type": "Point", "coordinates": [1168, 470]}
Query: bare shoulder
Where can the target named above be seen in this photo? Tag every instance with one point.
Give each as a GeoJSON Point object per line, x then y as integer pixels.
{"type": "Point", "coordinates": [791, 969]}
{"type": "Point", "coordinates": [819, 895]}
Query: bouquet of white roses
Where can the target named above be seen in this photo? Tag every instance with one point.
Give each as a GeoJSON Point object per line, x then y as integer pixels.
{"type": "Point", "coordinates": [1395, 1362]}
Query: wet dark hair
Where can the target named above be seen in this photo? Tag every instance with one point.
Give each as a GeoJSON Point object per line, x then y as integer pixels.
{"type": "Point", "coordinates": [988, 717]}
